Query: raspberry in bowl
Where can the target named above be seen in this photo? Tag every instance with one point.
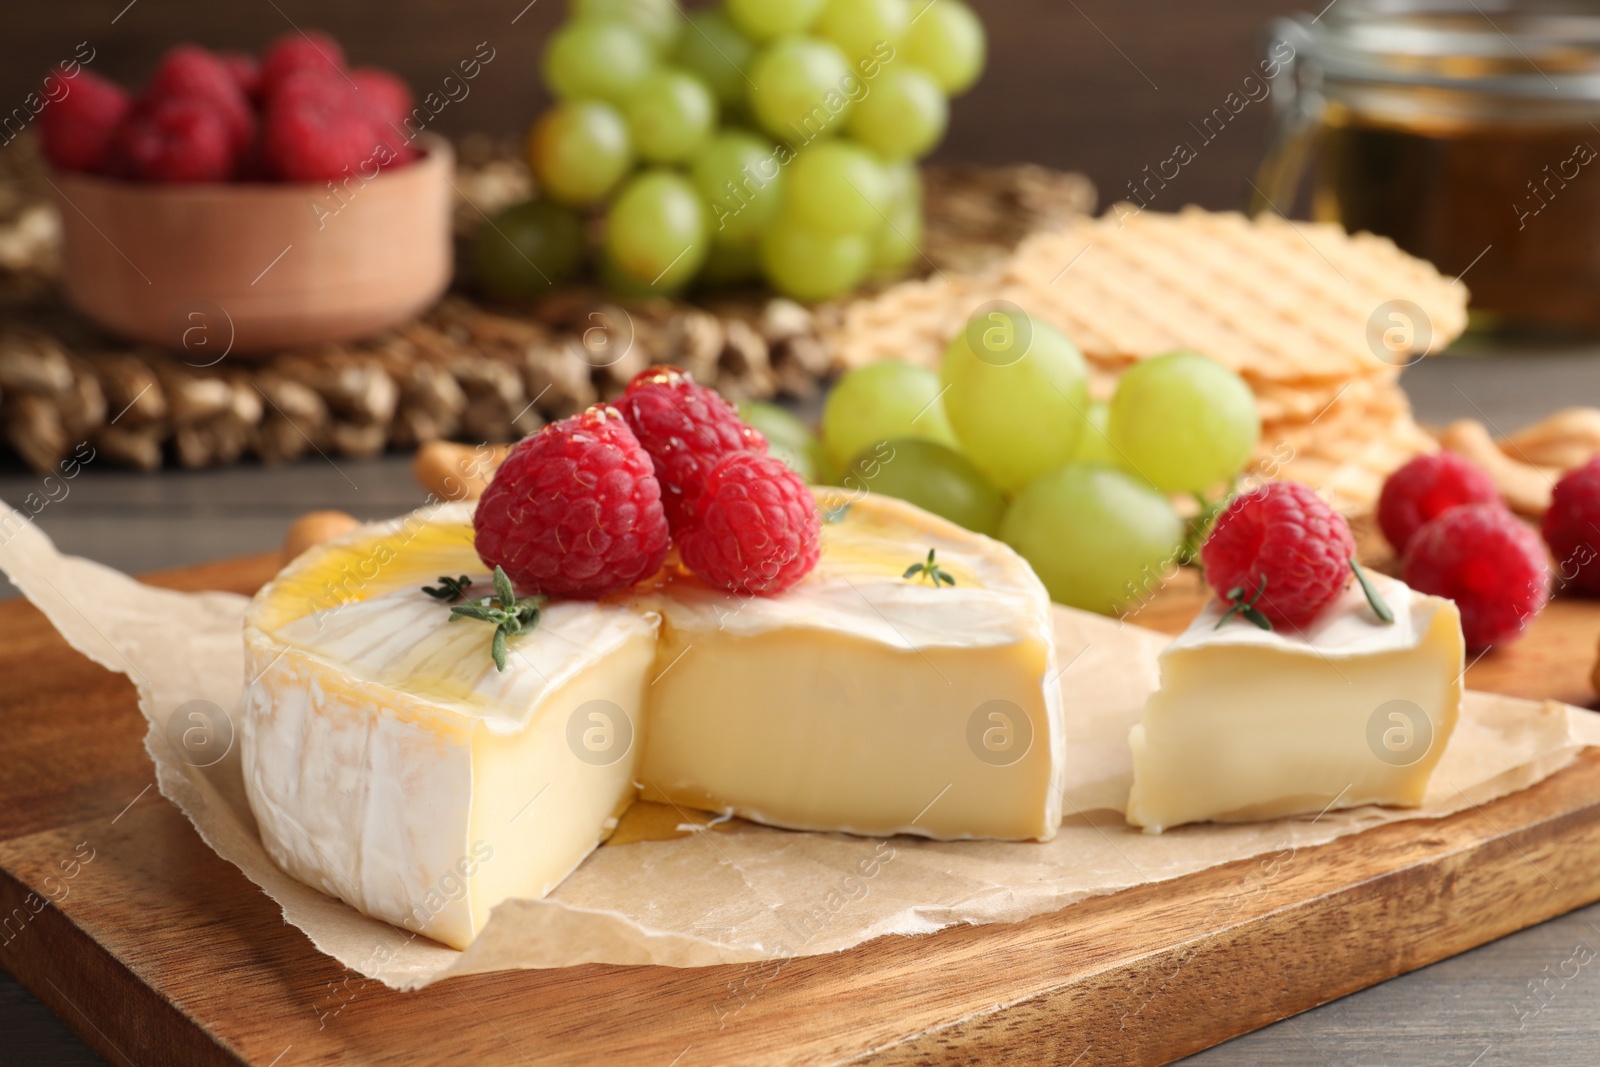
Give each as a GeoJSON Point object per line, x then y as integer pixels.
{"type": "Point", "coordinates": [232, 206]}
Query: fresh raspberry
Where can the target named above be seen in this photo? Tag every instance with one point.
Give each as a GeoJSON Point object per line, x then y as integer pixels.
{"type": "Point", "coordinates": [76, 130]}
{"type": "Point", "coordinates": [245, 71]}
{"type": "Point", "coordinates": [316, 130]}
{"type": "Point", "coordinates": [755, 527]}
{"type": "Point", "coordinates": [179, 140]}
{"type": "Point", "coordinates": [1572, 527]}
{"type": "Point", "coordinates": [295, 52]}
{"type": "Point", "coordinates": [383, 94]}
{"type": "Point", "coordinates": [191, 71]}
{"type": "Point", "coordinates": [1426, 487]}
{"type": "Point", "coordinates": [575, 510]}
{"type": "Point", "coordinates": [687, 429]}
{"type": "Point", "coordinates": [1488, 562]}
{"type": "Point", "coordinates": [1283, 543]}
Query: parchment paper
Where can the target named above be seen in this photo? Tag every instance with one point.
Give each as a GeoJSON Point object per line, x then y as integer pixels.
{"type": "Point", "coordinates": [737, 892]}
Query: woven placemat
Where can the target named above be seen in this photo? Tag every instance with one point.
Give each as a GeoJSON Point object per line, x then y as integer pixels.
{"type": "Point", "coordinates": [470, 369]}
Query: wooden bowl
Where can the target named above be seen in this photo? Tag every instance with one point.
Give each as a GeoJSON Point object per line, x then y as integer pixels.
{"type": "Point", "coordinates": [210, 269]}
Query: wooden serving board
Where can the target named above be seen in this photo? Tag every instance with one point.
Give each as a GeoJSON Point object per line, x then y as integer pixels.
{"type": "Point", "coordinates": [156, 951]}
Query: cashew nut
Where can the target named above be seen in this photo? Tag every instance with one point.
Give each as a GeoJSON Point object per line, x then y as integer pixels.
{"type": "Point", "coordinates": [452, 471]}
{"type": "Point", "coordinates": [1567, 439]}
{"type": "Point", "coordinates": [1525, 487]}
{"type": "Point", "coordinates": [315, 528]}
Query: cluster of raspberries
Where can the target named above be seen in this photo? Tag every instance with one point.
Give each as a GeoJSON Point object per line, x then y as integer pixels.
{"type": "Point", "coordinates": [1447, 518]}
{"type": "Point", "coordinates": [299, 115]}
{"type": "Point", "coordinates": [591, 505]}
{"type": "Point", "coordinates": [1444, 517]}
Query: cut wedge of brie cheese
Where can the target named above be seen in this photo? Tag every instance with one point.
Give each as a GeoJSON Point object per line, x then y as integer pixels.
{"type": "Point", "coordinates": [861, 700]}
{"type": "Point", "coordinates": [1250, 724]}
{"type": "Point", "coordinates": [389, 764]}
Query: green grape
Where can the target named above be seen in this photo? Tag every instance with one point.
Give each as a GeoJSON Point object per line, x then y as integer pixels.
{"type": "Point", "coordinates": [797, 88]}
{"type": "Point", "coordinates": [1016, 394]}
{"type": "Point", "coordinates": [762, 20]}
{"type": "Point", "coordinates": [788, 438]}
{"type": "Point", "coordinates": [656, 230]}
{"type": "Point", "coordinates": [1183, 423]}
{"type": "Point", "coordinates": [931, 476]}
{"type": "Point", "coordinates": [739, 176]}
{"type": "Point", "coordinates": [657, 20]}
{"type": "Point", "coordinates": [1097, 538]}
{"type": "Point", "coordinates": [903, 116]}
{"type": "Point", "coordinates": [837, 187]}
{"type": "Point", "coordinates": [713, 50]}
{"type": "Point", "coordinates": [947, 40]}
{"type": "Point", "coordinates": [527, 248]}
{"type": "Point", "coordinates": [730, 264]}
{"type": "Point", "coordinates": [579, 150]}
{"type": "Point", "coordinates": [671, 116]}
{"type": "Point", "coordinates": [883, 402]}
{"type": "Point", "coordinates": [1094, 444]}
{"type": "Point", "coordinates": [618, 283]}
{"type": "Point", "coordinates": [905, 182]}
{"type": "Point", "coordinates": [596, 58]}
{"type": "Point", "coordinates": [862, 28]}
{"type": "Point", "coordinates": [807, 265]}
{"type": "Point", "coordinates": [898, 244]}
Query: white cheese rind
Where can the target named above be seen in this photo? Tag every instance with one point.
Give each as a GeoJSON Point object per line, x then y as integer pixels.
{"type": "Point", "coordinates": [389, 764]}
{"type": "Point", "coordinates": [1250, 724]}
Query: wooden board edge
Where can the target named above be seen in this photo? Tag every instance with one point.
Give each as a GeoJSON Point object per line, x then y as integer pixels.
{"type": "Point", "coordinates": [50, 954]}
{"type": "Point", "coordinates": [236, 574]}
{"type": "Point", "coordinates": [1179, 999]}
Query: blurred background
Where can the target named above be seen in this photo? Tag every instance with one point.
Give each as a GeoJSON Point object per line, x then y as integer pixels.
{"type": "Point", "coordinates": [1098, 86]}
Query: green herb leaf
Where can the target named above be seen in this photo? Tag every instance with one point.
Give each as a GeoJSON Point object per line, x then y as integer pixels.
{"type": "Point", "coordinates": [509, 614]}
{"type": "Point", "coordinates": [1379, 607]}
{"type": "Point", "coordinates": [449, 589]}
{"type": "Point", "coordinates": [475, 611]}
{"type": "Point", "coordinates": [1245, 608]}
{"type": "Point", "coordinates": [930, 571]}
{"type": "Point", "coordinates": [503, 590]}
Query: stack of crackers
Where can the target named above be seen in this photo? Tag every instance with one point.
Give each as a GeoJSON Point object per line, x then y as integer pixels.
{"type": "Point", "coordinates": [1319, 323]}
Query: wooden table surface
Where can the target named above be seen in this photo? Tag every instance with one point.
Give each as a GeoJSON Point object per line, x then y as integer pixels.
{"type": "Point", "coordinates": [1531, 998]}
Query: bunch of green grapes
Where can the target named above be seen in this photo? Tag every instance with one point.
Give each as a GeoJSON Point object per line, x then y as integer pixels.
{"type": "Point", "coordinates": [757, 139]}
{"type": "Point", "coordinates": [1004, 440]}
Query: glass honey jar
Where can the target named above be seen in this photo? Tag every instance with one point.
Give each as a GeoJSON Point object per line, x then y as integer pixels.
{"type": "Point", "coordinates": [1466, 130]}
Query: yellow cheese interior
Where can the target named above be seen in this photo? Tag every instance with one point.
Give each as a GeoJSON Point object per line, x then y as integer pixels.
{"type": "Point", "coordinates": [728, 732]}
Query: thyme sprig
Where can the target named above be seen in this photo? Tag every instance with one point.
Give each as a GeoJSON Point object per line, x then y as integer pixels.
{"type": "Point", "coordinates": [1380, 608]}
{"type": "Point", "coordinates": [449, 589]}
{"type": "Point", "coordinates": [1245, 608]}
{"type": "Point", "coordinates": [929, 571]}
{"type": "Point", "coordinates": [510, 615]}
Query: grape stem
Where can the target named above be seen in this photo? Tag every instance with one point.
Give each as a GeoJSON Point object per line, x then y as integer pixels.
{"type": "Point", "coordinates": [1199, 527]}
